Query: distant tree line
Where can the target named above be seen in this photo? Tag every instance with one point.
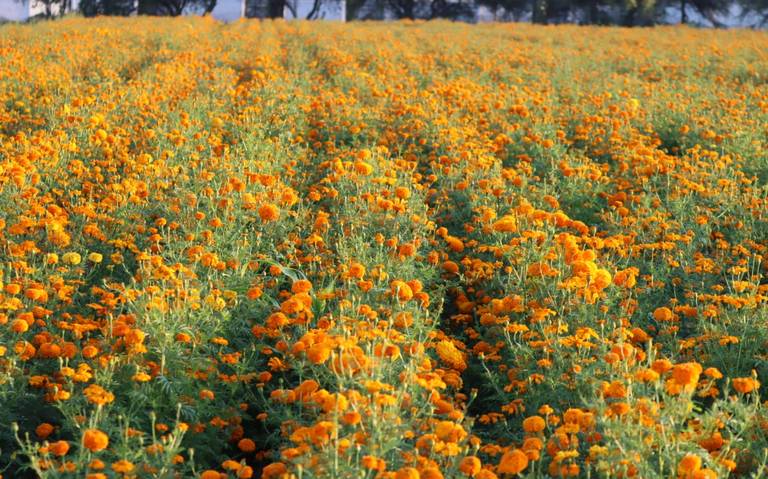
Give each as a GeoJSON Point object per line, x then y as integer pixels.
{"type": "Point", "coordinates": [602, 12]}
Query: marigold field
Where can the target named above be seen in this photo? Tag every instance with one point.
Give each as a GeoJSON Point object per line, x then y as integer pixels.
{"type": "Point", "coordinates": [382, 250]}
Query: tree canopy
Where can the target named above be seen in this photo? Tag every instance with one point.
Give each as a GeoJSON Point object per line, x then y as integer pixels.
{"type": "Point", "coordinates": [605, 12]}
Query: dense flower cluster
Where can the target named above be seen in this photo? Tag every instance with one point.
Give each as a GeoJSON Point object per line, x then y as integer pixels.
{"type": "Point", "coordinates": [396, 251]}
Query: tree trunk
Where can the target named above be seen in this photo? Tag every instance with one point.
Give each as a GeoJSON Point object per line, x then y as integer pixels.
{"type": "Point", "coordinates": [683, 14]}
{"type": "Point", "coordinates": [314, 12]}
{"type": "Point", "coordinates": [275, 8]}
{"type": "Point", "coordinates": [629, 18]}
{"type": "Point", "coordinates": [539, 12]}
{"type": "Point", "coordinates": [408, 7]}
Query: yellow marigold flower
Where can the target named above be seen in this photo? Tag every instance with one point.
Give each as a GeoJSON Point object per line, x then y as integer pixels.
{"type": "Point", "coordinates": [71, 258]}
{"type": "Point", "coordinates": [141, 377]}
{"type": "Point", "coordinates": [450, 354]}
{"type": "Point", "coordinates": [363, 168]}
{"type": "Point", "coordinates": [98, 395]}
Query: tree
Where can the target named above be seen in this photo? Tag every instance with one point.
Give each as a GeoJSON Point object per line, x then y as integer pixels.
{"type": "Point", "coordinates": [403, 8]}
{"type": "Point", "coordinates": [639, 12]}
{"type": "Point", "coordinates": [91, 8]}
{"type": "Point", "coordinates": [354, 7]}
{"type": "Point", "coordinates": [756, 11]}
{"type": "Point", "coordinates": [293, 7]}
{"type": "Point", "coordinates": [506, 9]}
{"type": "Point", "coordinates": [275, 8]}
{"type": "Point", "coordinates": [708, 9]}
{"type": "Point", "coordinates": [455, 10]}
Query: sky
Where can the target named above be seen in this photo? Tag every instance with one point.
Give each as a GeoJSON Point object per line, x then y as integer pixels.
{"type": "Point", "coordinates": [226, 10]}
{"type": "Point", "coordinates": [13, 10]}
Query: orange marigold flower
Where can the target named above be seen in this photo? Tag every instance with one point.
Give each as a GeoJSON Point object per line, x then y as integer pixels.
{"type": "Point", "coordinates": [448, 431]}
{"type": "Point", "coordinates": [254, 293]}
{"type": "Point", "coordinates": [301, 286]}
{"type": "Point", "coordinates": [663, 314]}
{"type": "Point", "coordinates": [705, 474]}
{"type": "Point", "coordinates": [745, 385]}
{"type": "Point", "coordinates": [245, 472]}
{"type": "Point", "coordinates": [485, 474]}
{"type": "Point", "coordinates": [372, 462]}
{"type": "Point", "coordinates": [90, 351]}
{"type": "Point", "coordinates": [505, 224]}
{"type": "Point", "coordinates": [319, 353]}
{"type": "Point", "coordinates": [401, 290]}
{"type": "Point", "coordinates": [662, 365]}
{"type": "Point", "coordinates": [470, 465]}
{"type": "Point", "coordinates": [356, 270]}
{"type": "Point", "coordinates": [269, 212]}
{"type": "Point", "coordinates": [19, 326]}
{"type": "Point", "coordinates": [59, 448]}
{"type": "Point", "coordinates": [351, 418]}
{"type": "Point", "coordinates": [431, 473]}
{"type": "Point", "coordinates": [534, 424]}
{"type": "Point", "coordinates": [44, 430]}
{"type": "Point", "coordinates": [407, 473]}
{"type": "Point", "coordinates": [450, 267]}
{"type": "Point", "coordinates": [688, 466]}
{"type": "Point", "coordinates": [98, 395]}
{"type": "Point", "coordinates": [685, 377]}
{"type": "Point", "coordinates": [95, 440]}
{"type": "Point", "coordinates": [450, 354]}
{"type": "Point", "coordinates": [274, 470]}
{"type": "Point", "coordinates": [246, 445]}
{"type": "Point", "coordinates": [626, 278]}
{"type": "Point", "coordinates": [713, 373]}
{"type": "Point", "coordinates": [513, 462]}
{"type": "Point", "coordinates": [122, 466]}
{"type": "Point", "coordinates": [363, 168]}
